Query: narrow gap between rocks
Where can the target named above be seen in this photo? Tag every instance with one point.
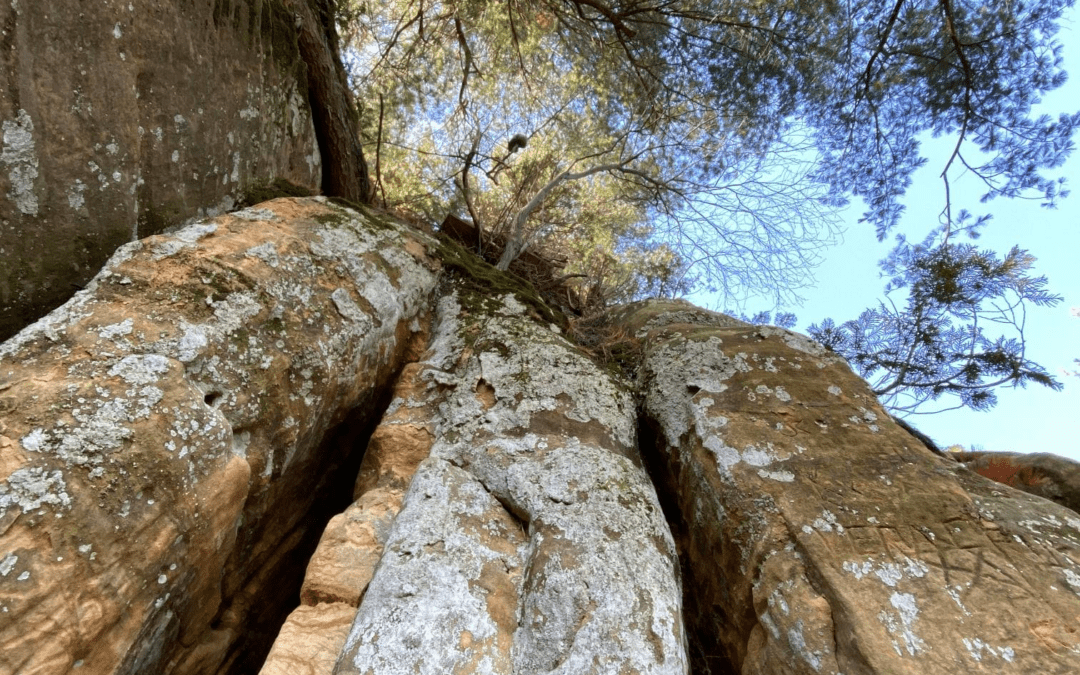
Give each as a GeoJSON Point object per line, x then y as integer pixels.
{"type": "Point", "coordinates": [338, 464]}
{"type": "Point", "coordinates": [707, 655]}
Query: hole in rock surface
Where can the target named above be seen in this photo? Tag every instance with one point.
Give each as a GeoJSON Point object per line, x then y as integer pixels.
{"type": "Point", "coordinates": [271, 588]}
{"type": "Point", "coordinates": [704, 621]}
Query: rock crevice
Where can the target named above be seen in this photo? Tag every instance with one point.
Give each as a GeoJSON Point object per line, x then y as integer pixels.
{"type": "Point", "coordinates": [525, 543]}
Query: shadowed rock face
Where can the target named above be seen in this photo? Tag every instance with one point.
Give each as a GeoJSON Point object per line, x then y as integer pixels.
{"type": "Point", "coordinates": [120, 118]}
{"type": "Point", "coordinates": [165, 435]}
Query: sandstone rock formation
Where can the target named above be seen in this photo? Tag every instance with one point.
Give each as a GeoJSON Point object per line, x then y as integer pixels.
{"type": "Point", "coordinates": [166, 439]}
{"type": "Point", "coordinates": [121, 118]}
{"type": "Point", "coordinates": [167, 432]}
{"type": "Point", "coordinates": [530, 538]}
{"type": "Point", "coordinates": [819, 537]}
{"type": "Point", "coordinates": [344, 562]}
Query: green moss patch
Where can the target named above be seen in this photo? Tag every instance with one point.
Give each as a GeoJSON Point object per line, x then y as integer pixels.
{"type": "Point", "coordinates": [259, 193]}
{"type": "Point", "coordinates": [482, 284]}
{"type": "Point", "coordinates": [373, 216]}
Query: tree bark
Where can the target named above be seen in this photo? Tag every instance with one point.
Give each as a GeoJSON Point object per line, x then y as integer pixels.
{"type": "Point", "coordinates": [345, 172]}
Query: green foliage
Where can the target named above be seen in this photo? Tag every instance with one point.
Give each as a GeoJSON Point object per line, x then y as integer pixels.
{"type": "Point", "coordinates": [676, 145]}
{"type": "Point", "coordinates": [958, 335]}
{"type": "Point", "coordinates": [765, 318]}
{"type": "Point", "coordinates": [634, 170]}
{"type": "Point", "coordinates": [722, 132]}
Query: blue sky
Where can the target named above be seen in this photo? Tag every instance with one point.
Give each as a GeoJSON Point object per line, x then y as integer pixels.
{"type": "Point", "coordinates": [1035, 419]}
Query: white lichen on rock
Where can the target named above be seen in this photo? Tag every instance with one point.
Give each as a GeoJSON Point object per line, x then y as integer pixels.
{"type": "Point", "coordinates": [549, 437]}
{"type": "Point", "coordinates": [20, 158]}
{"type": "Point", "coordinates": [162, 405]}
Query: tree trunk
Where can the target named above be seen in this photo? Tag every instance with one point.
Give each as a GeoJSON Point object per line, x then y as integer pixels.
{"type": "Point", "coordinates": [345, 172]}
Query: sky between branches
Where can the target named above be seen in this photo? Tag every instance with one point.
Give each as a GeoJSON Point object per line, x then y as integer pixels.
{"type": "Point", "coordinates": [1035, 419]}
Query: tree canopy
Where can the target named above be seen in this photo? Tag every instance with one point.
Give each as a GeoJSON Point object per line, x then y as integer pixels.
{"type": "Point", "coordinates": [675, 144]}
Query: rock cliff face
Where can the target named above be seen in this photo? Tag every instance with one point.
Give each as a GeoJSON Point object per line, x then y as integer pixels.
{"type": "Point", "coordinates": [486, 498]}
{"type": "Point", "coordinates": [119, 118]}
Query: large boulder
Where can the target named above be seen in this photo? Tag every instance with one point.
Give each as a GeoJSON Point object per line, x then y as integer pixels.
{"type": "Point", "coordinates": [820, 537]}
{"type": "Point", "coordinates": [175, 438]}
{"type": "Point", "coordinates": [121, 118]}
{"type": "Point", "coordinates": [1039, 473]}
{"type": "Point", "coordinates": [168, 432]}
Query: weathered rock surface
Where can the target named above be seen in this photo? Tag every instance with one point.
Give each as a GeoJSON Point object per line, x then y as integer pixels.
{"type": "Point", "coordinates": [311, 640]}
{"type": "Point", "coordinates": [818, 537]}
{"type": "Point", "coordinates": [352, 544]}
{"type": "Point", "coordinates": [120, 118]}
{"type": "Point", "coordinates": [165, 434]}
{"type": "Point", "coordinates": [1040, 473]}
{"type": "Point", "coordinates": [530, 539]}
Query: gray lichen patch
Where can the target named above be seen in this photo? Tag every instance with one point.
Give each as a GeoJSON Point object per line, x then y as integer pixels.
{"type": "Point", "coordinates": [799, 342]}
{"type": "Point", "coordinates": [348, 308]}
{"type": "Point", "coordinates": [255, 215]}
{"type": "Point", "coordinates": [452, 566]}
{"type": "Point", "coordinates": [549, 437]}
{"type": "Point", "coordinates": [266, 252]}
{"type": "Point", "coordinates": [184, 238]}
{"type": "Point", "coordinates": [678, 371]}
{"type": "Point", "coordinates": [534, 371]}
{"type": "Point", "coordinates": [141, 368]}
{"type": "Point", "coordinates": [20, 158]}
{"type": "Point", "coordinates": [31, 488]}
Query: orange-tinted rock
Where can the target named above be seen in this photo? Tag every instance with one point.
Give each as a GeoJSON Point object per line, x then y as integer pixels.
{"type": "Point", "coordinates": [350, 548]}
{"type": "Point", "coordinates": [353, 542]}
{"type": "Point", "coordinates": [120, 118]}
{"type": "Point", "coordinates": [1041, 473]}
{"type": "Point", "coordinates": [310, 641]}
{"type": "Point", "coordinates": [404, 436]}
{"type": "Point", "coordinates": [163, 432]}
{"type": "Point", "coordinates": [819, 537]}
